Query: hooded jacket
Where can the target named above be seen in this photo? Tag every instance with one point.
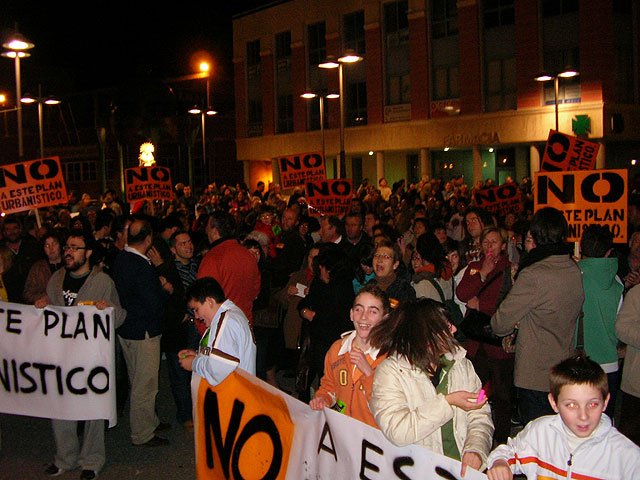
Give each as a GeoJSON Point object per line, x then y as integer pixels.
{"type": "Point", "coordinates": [542, 450]}
{"type": "Point", "coordinates": [602, 297]}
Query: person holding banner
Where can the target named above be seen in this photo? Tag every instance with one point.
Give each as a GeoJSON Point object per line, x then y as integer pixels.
{"type": "Point", "coordinates": [426, 391]}
{"type": "Point", "coordinates": [350, 362]}
{"type": "Point", "coordinates": [228, 341]}
{"type": "Point", "coordinates": [77, 284]}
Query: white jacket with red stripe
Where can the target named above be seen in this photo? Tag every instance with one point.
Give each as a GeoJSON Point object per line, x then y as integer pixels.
{"type": "Point", "coordinates": [541, 451]}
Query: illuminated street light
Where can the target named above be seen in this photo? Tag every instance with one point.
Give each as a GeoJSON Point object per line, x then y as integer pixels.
{"type": "Point", "coordinates": [331, 62]}
{"type": "Point", "coordinates": [309, 96]}
{"type": "Point", "coordinates": [16, 45]}
{"type": "Point", "coordinates": [546, 77]}
{"type": "Point", "coordinates": [28, 99]}
{"type": "Point", "coordinates": [195, 110]}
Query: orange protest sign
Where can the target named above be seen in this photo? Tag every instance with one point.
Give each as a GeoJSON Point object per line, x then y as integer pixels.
{"type": "Point", "coordinates": [329, 197]}
{"type": "Point", "coordinates": [148, 183]}
{"type": "Point", "coordinates": [564, 152]}
{"type": "Point", "coordinates": [586, 197]}
{"type": "Point", "coordinates": [31, 184]}
{"type": "Point", "coordinates": [297, 170]}
{"type": "Point", "coordinates": [241, 429]}
{"type": "Point", "coordinates": [499, 200]}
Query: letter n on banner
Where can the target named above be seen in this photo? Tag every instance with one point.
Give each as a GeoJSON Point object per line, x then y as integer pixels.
{"type": "Point", "coordinates": [241, 431]}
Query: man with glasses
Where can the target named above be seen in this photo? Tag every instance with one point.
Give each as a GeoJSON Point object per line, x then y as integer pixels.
{"type": "Point", "coordinates": [75, 284]}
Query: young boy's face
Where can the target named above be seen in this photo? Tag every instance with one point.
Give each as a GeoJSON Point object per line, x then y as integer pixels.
{"type": "Point", "coordinates": [204, 311]}
{"type": "Point", "coordinates": [580, 406]}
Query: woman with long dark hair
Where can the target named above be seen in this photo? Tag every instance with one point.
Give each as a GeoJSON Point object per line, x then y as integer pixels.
{"type": "Point", "coordinates": [426, 391]}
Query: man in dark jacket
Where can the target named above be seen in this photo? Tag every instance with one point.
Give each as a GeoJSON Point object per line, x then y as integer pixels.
{"type": "Point", "coordinates": [143, 294]}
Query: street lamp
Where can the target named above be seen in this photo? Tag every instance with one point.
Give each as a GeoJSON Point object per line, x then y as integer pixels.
{"type": "Point", "coordinates": [204, 68]}
{"type": "Point", "coordinates": [321, 98]}
{"type": "Point", "coordinates": [40, 100]}
{"type": "Point", "coordinates": [16, 46]}
{"type": "Point", "coordinates": [195, 110]}
{"type": "Point", "coordinates": [545, 77]}
{"type": "Point", "coordinates": [332, 62]}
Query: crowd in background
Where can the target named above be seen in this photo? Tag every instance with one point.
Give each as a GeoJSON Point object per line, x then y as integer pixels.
{"type": "Point", "coordinates": [424, 240]}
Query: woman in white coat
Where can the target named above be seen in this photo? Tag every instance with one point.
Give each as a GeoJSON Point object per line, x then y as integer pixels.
{"type": "Point", "coordinates": [426, 391]}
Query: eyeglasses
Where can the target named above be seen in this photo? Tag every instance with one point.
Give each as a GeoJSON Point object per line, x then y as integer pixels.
{"type": "Point", "coordinates": [73, 248]}
{"type": "Point", "coordinates": [383, 256]}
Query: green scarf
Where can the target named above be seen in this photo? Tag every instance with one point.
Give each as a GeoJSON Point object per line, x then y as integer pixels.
{"type": "Point", "coordinates": [449, 445]}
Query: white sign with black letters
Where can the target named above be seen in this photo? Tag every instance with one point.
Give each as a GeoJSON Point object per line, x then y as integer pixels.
{"type": "Point", "coordinates": [57, 362]}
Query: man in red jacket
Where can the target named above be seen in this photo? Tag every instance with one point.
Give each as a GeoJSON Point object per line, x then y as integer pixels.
{"type": "Point", "coordinates": [233, 267]}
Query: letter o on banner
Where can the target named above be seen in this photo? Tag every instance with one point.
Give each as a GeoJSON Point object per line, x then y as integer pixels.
{"type": "Point", "coordinates": [313, 160]}
{"type": "Point", "coordinates": [259, 423]}
{"type": "Point", "coordinates": [558, 139]}
{"type": "Point", "coordinates": [52, 169]}
{"type": "Point", "coordinates": [160, 174]}
{"type": "Point", "coordinates": [92, 375]}
{"type": "Point", "coordinates": [341, 188]}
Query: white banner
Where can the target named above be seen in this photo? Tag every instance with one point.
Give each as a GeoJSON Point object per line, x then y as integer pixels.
{"type": "Point", "coordinates": [57, 362]}
{"type": "Point", "coordinates": [245, 428]}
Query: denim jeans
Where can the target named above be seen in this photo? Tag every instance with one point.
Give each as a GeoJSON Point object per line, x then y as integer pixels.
{"type": "Point", "coordinates": [533, 404]}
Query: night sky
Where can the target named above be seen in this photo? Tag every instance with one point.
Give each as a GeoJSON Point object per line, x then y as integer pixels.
{"type": "Point", "coordinates": [102, 44]}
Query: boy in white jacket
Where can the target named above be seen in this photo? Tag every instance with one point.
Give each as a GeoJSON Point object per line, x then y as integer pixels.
{"type": "Point", "coordinates": [579, 442]}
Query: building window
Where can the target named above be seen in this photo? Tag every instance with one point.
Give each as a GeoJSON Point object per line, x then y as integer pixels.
{"type": "Point", "coordinates": [254, 90]}
{"type": "Point", "coordinates": [285, 113]}
{"type": "Point", "coordinates": [397, 61]}
{"type": "Point", "coordinates": [501, 85]}
{"type": "Point", "coordinates": [356, 104]}
{"type": "Point", "coordinates": [317, 51]}
{"type": "Point", "coordinates": [551, 8]}
{"type": "Point", "coordinates": [396, 22]}
{"type": "Point", "coordinates": [317, 43]}
{"type": "Point", "coordinates": [498, 13]}
{"type": "Point", "coordinates": [624, 78]}
{"type": "Point", "coordinates": [80, 171]}
{"type": "Point", "coordinates": [561, 49]}
{"type": "Point", "coordinates": [444, 18]}
{"type": "Point", "coordinates": [499, 57]}
{"type": "Point", "coordinates": [353, 32]}
{"type": "Point", "coordinates": [284, 87]}
{"type": "Point", "coordinates": [283, 45]}
{"type": "Point", "coordinates": [446, 82]}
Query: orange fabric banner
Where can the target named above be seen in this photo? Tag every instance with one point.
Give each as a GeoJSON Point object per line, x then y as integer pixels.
{"type": "Point", "coordinates": [31, 184]}
{"type": "Point", "coordinates": [564, 152]}
{"type": "Point", "coordinates": [297, 170]}
{"type": "Point", "coordinates": [148, 183]}
{"type": "Point", "coordinates": [586, 197]}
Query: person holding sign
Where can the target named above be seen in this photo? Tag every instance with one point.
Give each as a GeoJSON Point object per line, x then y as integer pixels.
{"type": "Point", "coordinates": [426, 391]}
{"type": "Point", "coordinates": [77, 284]}
{"type": "Point", "coordinates": [350, 362]}
{"type": "Point", "coordinates": [228, 341]}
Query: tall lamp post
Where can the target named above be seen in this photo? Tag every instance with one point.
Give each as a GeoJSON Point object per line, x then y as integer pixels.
{"type": "Point", "coordinates": [202, 112]}
{"type": "Point", "coordinates": [309, 96]}
{"type": "Point", "coordinates": [545, 77]}
{"type": "Point", "coordinates": [40, 101]}
{"type": "Point", "coordinates": [16, 47]}
{"type": "Point", "coordinates": [332, 62]}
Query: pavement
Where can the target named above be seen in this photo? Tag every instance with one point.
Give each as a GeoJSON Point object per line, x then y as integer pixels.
{"type": "Point", "coordinates": [27, 447]}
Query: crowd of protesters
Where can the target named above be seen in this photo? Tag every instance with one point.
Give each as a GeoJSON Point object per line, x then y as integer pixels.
{"type": "Point", "coordinates": [422, 251]}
